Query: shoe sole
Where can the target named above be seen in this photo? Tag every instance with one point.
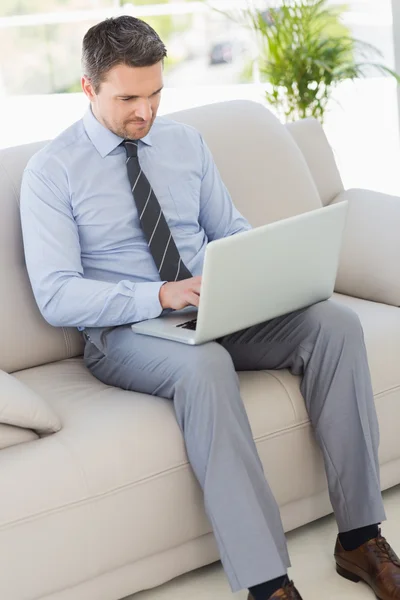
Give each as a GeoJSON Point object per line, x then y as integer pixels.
{"type": "Point", "coordinates": [351, 576]}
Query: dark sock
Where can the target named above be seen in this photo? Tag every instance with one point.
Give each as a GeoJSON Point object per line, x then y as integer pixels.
{"type": "Point", "coordinates": [265, 590]}
{"type": "Point", "coordinates": [351, 540]}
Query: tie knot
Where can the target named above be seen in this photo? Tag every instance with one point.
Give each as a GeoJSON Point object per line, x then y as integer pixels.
{"type": "Point", "coordinates": [131, 147]}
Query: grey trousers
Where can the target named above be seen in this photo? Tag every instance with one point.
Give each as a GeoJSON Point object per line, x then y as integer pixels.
{"type": "Point", "coordinates": [323, 343]}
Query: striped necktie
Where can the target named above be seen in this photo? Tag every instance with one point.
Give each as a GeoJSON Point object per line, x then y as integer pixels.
{"type": "Point", "coordinates": [154, 225]}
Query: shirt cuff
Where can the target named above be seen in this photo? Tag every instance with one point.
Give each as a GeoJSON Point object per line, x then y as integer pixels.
{"type": "Point", "coordinates": [147, 299]}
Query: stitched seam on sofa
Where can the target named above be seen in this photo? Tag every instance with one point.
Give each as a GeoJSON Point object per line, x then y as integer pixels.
{"type": "Point", "coordinates": [93, 498]}
{"type": "Point", "coordinates": [283, 431]}
{"type": "Point", "coordinates": [265, 371]}
{"type": "Point", "coordinates": [284, 387]}
{"type": "Point", "coordinates": [378, 394]}
{"type": "Point", "coordinates": [132, 484]}
{"type": "Point", "coordinates": [322, 492]}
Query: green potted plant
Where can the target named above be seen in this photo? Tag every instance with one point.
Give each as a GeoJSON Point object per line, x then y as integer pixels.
{"type": "Point", "coordinates": [305, 51]}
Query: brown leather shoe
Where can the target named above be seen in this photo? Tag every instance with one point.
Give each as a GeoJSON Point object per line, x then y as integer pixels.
{"type": "Point", "coordinates": [288, 592]}
{"type": "Point", "coordinates": [375, 563]}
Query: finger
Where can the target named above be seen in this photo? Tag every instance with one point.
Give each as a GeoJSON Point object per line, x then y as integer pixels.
{"type": "Point", "coordinates": [196, 289]}
{"type": "Point", "coordinates": [192, 298]}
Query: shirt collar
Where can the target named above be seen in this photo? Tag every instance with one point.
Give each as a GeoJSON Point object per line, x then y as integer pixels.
{"type": "Point", "coordinates": [104, 140]}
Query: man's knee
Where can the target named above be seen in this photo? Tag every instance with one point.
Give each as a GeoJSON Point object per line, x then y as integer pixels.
{"type": "Point", "coordinates": [207, 382]}
{"type": "Point", "coordinates": [333, 319]}
{"type": "Point", "coordinates": [207, 361]}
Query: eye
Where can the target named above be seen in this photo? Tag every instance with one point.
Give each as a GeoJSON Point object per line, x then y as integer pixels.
{"type": "Point", "coordinates": [125, 99]}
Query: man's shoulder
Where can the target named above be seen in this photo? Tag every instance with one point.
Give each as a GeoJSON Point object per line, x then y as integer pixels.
{"type": "Point", "coordinates": [57, 151]}
{"type": "Point", "coordinates": [166, 127]}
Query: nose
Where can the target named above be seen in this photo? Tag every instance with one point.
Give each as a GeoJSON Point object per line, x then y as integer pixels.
{"type": "Point", "coordinates": [143, 109]}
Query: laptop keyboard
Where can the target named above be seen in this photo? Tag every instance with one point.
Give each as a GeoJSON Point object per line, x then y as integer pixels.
{"type": "Point", "coordinates": [189, 325]}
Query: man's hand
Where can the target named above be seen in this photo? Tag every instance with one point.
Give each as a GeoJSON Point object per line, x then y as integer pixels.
{"type": "Point", "coordinates": [179, 294]}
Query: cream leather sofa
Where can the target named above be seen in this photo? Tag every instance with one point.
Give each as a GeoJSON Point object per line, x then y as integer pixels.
{"type": "Point", "coordinates": [97, 499]}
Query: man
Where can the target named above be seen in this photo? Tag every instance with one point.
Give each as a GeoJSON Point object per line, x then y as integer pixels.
{"type": "Point", "coordinates": [116, 215]}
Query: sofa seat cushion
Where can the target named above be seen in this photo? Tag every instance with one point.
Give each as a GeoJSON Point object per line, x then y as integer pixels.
{"type": "Point", "coordinates": [381, 324]}
{"type": "Point", "coordinates": [112, 438]}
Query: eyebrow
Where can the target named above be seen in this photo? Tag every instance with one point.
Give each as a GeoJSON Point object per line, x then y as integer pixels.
{"type": "Point", "coordinates": [135, 97]}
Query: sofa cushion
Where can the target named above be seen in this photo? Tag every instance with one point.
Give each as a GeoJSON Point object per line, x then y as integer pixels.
{"type": "Point", "coordinates": [381, 324]}
{"type": "Point", "coordinates": [11, 436]}
{"type": "Point", "coordinates": [22, 407]}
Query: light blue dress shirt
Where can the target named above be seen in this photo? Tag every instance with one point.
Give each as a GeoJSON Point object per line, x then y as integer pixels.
{"type": "Point", "coordinates": [87, 258]}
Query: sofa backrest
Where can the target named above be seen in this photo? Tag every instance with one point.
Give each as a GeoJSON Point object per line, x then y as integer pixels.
{"type": "Point", "coordinates": [261, 164]}
{"type": "Point", "coordinates": [310, 138]}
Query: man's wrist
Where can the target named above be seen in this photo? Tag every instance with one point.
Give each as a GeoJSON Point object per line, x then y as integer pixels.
{"type": "Point", "coordinates": [161, 294]}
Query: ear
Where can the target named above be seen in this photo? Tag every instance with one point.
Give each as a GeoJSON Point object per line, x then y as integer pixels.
{"type": "Point", "coordinates": [87, 88]}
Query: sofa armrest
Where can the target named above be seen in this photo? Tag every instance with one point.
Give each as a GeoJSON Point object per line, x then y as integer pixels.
{"type": "Point", "coordinates": [22, 407]}
{"type": "Point", "coordinates": [370, 258]}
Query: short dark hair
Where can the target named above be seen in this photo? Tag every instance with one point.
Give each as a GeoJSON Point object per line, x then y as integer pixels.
{"type": "Point", "coordinates": [121, 40]}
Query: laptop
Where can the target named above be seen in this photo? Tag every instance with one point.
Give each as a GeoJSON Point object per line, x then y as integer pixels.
{"type": "Point", "coordinates": [257, 275]}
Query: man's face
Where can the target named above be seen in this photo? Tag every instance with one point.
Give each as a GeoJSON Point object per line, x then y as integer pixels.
{"type": "Point", "coordinates": [128, 99]}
